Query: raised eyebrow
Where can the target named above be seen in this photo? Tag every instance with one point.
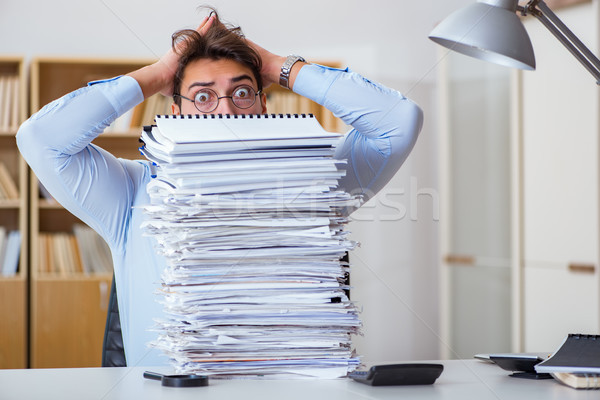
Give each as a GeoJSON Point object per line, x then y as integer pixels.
{"type": "Point", "coordinates": [235, 79]}
{"type": "Point", "coordinates": [202, 84]}
{"type": "Point", "coordinates": [241, 78]}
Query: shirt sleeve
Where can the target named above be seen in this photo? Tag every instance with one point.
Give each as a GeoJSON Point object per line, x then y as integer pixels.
{"type": "Point", "coordinates": [88, 181]}
{"type": "Point", "coordinates": [385, 124]}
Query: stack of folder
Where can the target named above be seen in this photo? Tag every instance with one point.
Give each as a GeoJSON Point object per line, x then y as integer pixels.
{"type": "Point", "coordinates": [246, 212]}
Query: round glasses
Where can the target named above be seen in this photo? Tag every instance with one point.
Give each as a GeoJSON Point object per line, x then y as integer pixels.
{"type": "Point", "coordinates": [207, 100]}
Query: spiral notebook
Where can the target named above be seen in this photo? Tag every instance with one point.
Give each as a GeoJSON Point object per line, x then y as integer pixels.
{"type": "Point", "coordinates": [578, 353]}
{"type": "Point", "coordinates": [182, 135]}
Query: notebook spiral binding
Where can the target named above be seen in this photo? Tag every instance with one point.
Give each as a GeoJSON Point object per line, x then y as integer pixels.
{"type": "Point", "coordinates": [583, 336]}
{"type": "Point", "coordinates": [233, 116]}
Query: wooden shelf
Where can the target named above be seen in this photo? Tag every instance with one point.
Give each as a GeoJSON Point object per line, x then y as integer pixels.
{"type": "Point", "coordinates": [68, 318]}
{"type": "Point", "coordinates": [134, 133]}
{"type": "Point", "coordinates": [45, 204]}
{"type": "Point", "coordinates": [73, 278]}
{"type": "Point", "coordinates": [8, 204]}
{"type": "Point", "coordinates": [14, 216]}
{"type": "Point", "coordinates": [13, 327]}
{"type": "Point", "coordinates": [8, 132]}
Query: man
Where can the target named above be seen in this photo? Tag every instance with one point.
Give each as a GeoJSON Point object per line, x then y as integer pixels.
{"type": "Point", "coordinates": [210, 70]}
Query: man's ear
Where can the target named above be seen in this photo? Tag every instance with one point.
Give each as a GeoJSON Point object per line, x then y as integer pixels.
{"type": "Point", "coordinates": [175, 109]}
{"type": "Point", "coordinates": [263, 101]}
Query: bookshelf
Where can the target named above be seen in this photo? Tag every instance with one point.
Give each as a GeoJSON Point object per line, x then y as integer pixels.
{"type": "Point", "coordinates": [69, 305]}
{"type": "Point", "coordinates": [13, 214]}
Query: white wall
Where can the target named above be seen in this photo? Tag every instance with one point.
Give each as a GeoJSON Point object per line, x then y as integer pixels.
{"type": "Point", "coordinates": [395, 271]}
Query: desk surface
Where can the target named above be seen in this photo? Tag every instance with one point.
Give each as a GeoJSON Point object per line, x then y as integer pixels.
{"type": "Point", "coordinates": [461, 379]}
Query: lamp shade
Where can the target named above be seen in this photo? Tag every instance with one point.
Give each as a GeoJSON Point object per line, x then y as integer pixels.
{"type": "Point", "coordinates": [489, 30]}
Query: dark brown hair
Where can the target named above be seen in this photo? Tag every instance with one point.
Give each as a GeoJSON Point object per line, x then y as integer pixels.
{"type": "Point", "coordinates": [219, 42]}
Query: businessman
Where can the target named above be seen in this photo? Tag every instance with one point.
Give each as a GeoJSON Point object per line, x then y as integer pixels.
{"type": "Point", "coordinates": [210, 70]}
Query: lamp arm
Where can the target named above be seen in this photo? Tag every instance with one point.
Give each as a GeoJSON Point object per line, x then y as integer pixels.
{"type": "Point", "coordinates": [551, 21]}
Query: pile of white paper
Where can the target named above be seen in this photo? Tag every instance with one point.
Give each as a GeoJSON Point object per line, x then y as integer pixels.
{"type": "Point", "coordinates": [245, 210]}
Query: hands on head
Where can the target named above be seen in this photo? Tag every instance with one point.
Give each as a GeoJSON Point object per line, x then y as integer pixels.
{"type": "Point", "coordinates": [160, 76]}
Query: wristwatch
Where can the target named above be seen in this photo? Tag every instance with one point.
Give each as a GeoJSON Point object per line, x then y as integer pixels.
{"type": "Point", "coordinates": [284, 76]}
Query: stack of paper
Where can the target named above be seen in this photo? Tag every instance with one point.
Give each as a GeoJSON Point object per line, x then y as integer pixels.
{"type": "Point", "coordinates": [246, 213]}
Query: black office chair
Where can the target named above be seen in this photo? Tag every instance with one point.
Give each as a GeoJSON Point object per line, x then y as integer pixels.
{"type": "Point", "coordinates": [113, 354]}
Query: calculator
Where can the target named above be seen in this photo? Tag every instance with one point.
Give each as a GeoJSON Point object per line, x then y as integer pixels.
{"type": "Point", "coordinates": [398, 374]}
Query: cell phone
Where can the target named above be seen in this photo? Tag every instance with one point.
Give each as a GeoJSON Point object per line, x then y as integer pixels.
{"type": "Point", "coordinates": [521, 365]}
{"type": "Point", "coordinates": [398, 374]}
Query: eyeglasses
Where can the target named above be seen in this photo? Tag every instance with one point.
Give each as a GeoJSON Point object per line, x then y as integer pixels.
{"type": "Point", "coordinates": [207, 100]}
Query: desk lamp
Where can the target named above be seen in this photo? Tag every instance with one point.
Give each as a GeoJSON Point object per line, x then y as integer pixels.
{"type": "Point", "coordinates": [490, 30]}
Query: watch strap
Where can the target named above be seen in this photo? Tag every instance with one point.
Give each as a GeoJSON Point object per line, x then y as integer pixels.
{"type": "Point", "coordinates": [286, 68]}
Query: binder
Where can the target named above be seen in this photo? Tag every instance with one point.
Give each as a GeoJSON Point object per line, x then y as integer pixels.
{"type": "Point", "coordinates": [576, 363]}
{"type": "Point", "coordinates": [579, 353]}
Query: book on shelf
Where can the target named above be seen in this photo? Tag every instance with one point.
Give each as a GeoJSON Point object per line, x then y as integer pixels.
{"type": "Point", "coordinates": [43, 254]}
{"type": "Point", "coordinates": [10, 246]}
{"type": "Point", "coordinates": [94, 253]}
{"type": "Point", "coordinates": [122, 123]}
{"type": "Point", "coordinates": [137, 116]}
{"type": "Point", "coordinates": [8, 188]}
{"type": "Point", "coordinates": [15, 100]}
{"type": "Point", "coordinates": [576, 363]}
{"type": "Point", "coordinates": [2, 246]}
{"type": "Point", "coordinates": [4, 92]}
{"type": "Point", "coordinates": [3, 194]}
{"type": "Point", "coordinates": [281, 102]}
{"type": "Point", "coordinates": [75, 254]}
{"type": "Point", "coordinates": [63, 250]}
{"type": "Point", "coordinates": [82, 251]}
{"type": "Point", "coordinates": [47, 258]}
{"type": "Point", "coordinates": [9, 102]}
{"type": "Point", "coordinates": [155, 105]}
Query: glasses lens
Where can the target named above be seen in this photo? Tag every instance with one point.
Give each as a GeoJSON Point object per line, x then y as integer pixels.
{"type": "Point", "coordinates": [243, 96]}
{"type": "Point", "coordinates": [206, 100]}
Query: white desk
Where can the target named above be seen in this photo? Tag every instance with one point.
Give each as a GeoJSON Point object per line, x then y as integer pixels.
{"type": "Point", "coordinates": [469, 379]}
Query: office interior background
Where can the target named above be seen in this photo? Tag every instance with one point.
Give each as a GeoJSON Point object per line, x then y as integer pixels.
{"type": "Point", "coordinates": [440, 270]}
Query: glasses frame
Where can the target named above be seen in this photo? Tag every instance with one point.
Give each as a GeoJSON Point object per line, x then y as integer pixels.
{"type": "Point", "coordinates": [256, 94]}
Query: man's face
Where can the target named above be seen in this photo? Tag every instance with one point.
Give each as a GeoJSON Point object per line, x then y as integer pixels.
{"type": "Point", "coordinates": [225, 78]}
